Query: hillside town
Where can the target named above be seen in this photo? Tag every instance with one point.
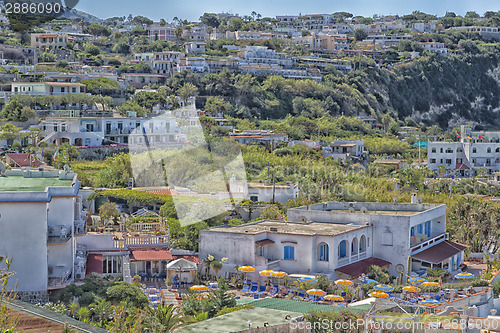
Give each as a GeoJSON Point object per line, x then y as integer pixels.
{"type": "Point", "coordinates": [239, 173]}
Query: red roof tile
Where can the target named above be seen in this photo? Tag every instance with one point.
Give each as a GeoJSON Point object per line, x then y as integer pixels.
{"type": "Point", "coordinates": [150, 255]}
{"type": "Point", "coordinates": [357, 268]}
{"type": "Point", "coordinates": [193, 258]}
{"type": "Point", "coordinates": [263, 242]}
{"type": "Point", "coordinates": [440, 252]}
{"type": "Point", "coordinates": [23, 160]}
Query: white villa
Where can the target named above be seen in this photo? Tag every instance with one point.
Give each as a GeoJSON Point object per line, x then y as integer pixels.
{"type": "Point", "coordinates": [340, 239]}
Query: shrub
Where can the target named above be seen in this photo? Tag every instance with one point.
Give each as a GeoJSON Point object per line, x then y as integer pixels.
{"type": "Point", "coordinates": [479, 283]}
{"type": "Point", "coordinates": [232, 309]}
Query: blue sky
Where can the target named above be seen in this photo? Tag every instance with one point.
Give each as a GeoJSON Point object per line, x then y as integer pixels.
{"type": "Point", "coordinates": [193, 9]}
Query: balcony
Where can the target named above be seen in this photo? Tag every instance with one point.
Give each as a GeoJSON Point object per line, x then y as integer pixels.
{"type": "Point", "coordinates": [59, 277]}
{"type": "Point", "coordinates": [142, 241]}
{"type": "Point", "coordinates": [425, 244]}
{"type": "Point", "coordinates": [59, 234]}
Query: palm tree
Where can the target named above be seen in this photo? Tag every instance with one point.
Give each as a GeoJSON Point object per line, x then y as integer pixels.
{"type": "Point", "coordinates": [102, 309]}
{"type": "Point", "coordinates": [73, 308]}
{"type": "Point", "coordinates": [216, 266]}
{"type": "Point", "coordinates": [163, 318]}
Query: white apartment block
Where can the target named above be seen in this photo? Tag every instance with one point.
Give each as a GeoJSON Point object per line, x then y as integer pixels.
{"type": "Point", "coordinates": [265, 70]}
{"type": "Point", "coordinates": [57, 39]}
{"type": "Point", "coordinates": [264, 55]}
{"type": "Point", "coordinates": [485, 32]}
{"type": "Point", "coordinates": [193, 64]}
{"type": "Point", "coordinates": [476, 150]}
{"type": "Point", "coordinates": [386, 41]}
{"type": "Point", "coordinates": [96, 131]}
{"type": "Point", "coordinates": [41, 216]}
{"type": "Point", "coordinates": [162, 63]}
{"type": "Point", "coordinates": [435, 47]}
{"type": "Point", "coordinates": [47, 88]}
{"type": "Point", "coordinates": [340, 240]}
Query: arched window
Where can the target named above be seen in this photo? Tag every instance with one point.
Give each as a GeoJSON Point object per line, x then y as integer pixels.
{"type": "Point", "coordinates": [362, 244]}
{"type": "Point", "coordinates": [323, 252]}
{"type": "Point", "coordinates": [488, 150]}
{"type": "Point", "coordinates": [459, 150]}
{"type": "Point", "coordinates": [449, 151]}
{"type": "Point", "coordinates": [354, 246]}
{"type": "Point", "coordinates": [497, 150]}
{"type": "Point", "coordinates": [433, 150]}
{"type": "Point", "coordinates": [343, 249]}
{"type": "Point", "coordinates": [474, 150]}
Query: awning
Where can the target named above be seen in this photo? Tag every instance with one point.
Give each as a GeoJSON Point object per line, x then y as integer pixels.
{"type": "Point", "coordinates": [182, 265]}
{"type": "Point", "coordinates": [94, 263]}
{"type": "Point", "coordinates": [263, 242]}
{"type": "Point", "coordinates": [190, 257]}
{"type": "Point", "coordinates": [150, 255]}
{"type": "Point", "coordinates": [357, 268]}
{"type": "Point", "coordinates": [461, 166]}
{"type": "Point", "coordinates": [440, 252]}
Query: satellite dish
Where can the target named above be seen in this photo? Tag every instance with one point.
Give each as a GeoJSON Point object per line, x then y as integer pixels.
{"type": "Point", "coordinates": [303, 219]}
{"type": "Point", "coordinates": [364, 210]}
{"type": "Point", "coordinates": [419, 200]}
{"type": "Point", "coordinates": [395, 199]}
{"type": "Point", "coordinates": [2, 168]}
{"type": "Point", "coordinates": [351, 210]}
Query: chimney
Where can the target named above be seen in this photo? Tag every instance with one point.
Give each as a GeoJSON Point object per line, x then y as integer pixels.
{"type": "Point", "coordinates": [414, 198]}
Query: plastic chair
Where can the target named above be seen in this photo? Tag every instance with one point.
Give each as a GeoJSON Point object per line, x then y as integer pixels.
{"type": "Point", "coordinates": [254, 289]}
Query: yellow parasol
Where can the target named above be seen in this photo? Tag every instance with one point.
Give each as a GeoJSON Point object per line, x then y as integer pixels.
{"type": "Point", "coordinates": [316, 292]}
{"type": "Point", "coordinates": [411, 289]}
{"type": "Point", "coordinates": [199, 287]}
{"type": "Point", "coordinates": [343, 282]}
{"type": "Point", "coordinates": [334, 297]}
{"type": "Point", "coordinates": [378, 294]}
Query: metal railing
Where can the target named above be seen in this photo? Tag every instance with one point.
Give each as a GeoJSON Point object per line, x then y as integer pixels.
{"type": "Point", "coordinates": [59, 234]}
{"type": "Point", "coordinates": [142, 241]}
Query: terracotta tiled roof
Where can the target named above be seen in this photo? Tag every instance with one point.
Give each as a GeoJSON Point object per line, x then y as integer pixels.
{"type": "Point", "coordinates": [23, 160]}
{"type": "Point", "coordinates": [357, 268]}
{"type": "Point", "coordinates": [440, 252]}
{"type": "Point", "coordinates": [263, 242]}
{"type": "Point", "coordinates": [150, 255]}
{"type": "Point", "coordinates": [193, 258]}
{"type": "Point", "coordinates": [461, 166]}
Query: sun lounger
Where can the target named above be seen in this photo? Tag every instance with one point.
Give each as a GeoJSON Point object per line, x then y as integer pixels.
{"type": "Point", "coordinates": [275, 290]}
{"type": "Point", "coordinates": [246, 287]}
{"type": "Point", "coordinates": [262, 290]}
{"type": "Point", "coordinates": [254, 289]}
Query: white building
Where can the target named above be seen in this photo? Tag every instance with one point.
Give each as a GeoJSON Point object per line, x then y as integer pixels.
{"type": "Point", "coordinates": [161, 32]}
{"type": "Point", "coordinates": [342, 149]}
{"type": "Point", "coordinates": [475, 150]}
{"type": "Point", "coordinates": [262, 191]}
{"type": "Point", "coordinates": [264, 55]}
{"type": "Point", "coordinates": [195, 47]}
{"type": "Point", "coordinates": [435, 47]}
{"type": "Point", "coordinates": [485, 32]}
{"type": "Point", "coordinates": [47, 88]}
{"type": "Point", "coordinates": [41, 216]}
{"type": "Point", "coordinates": [193, 64]}
{"type": "Point", "coordinates": [266, 138]}
{"type": "Point", "coordinates": [340, 239]}
{"type": "Point", "coordinates": [162, 63]}
{"type": "Point", "coordinates": [94, 131]}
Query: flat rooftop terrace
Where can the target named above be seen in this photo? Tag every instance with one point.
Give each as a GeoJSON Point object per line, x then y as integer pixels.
{"type": "Point", "coordinates": [377, 212]}
{"type": "Point", "coordinates": [21, 184]}
{"type": "Point", "coordinates": [310, 229]}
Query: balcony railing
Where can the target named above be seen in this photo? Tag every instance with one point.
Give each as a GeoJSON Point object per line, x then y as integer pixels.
{"type": "Point", "coordinates": [142, 241]}
{"type": "Point", "coordinates": [59, 234]}
{"type": "Point", "coordinates": [59, 280]}
{"type": "Point", "coordinates": [428, 243]}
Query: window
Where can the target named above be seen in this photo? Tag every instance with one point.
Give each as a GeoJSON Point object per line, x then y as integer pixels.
{"type": "Point", "coordinates": [488, 150]}
{"type": "Point", "coordinates": [289, 253]}
{"type": "Point", "coordinates": [433, 160]}
{"type": "Point", "coordinates": [497, 150]}
{"type": "Point", "coordinates": [420, 228]}
{"type": "Point", "coordinates": [441, 150]}
{"type": "Point", "coordinates": [459, 150]}
{"type": "Point", "coordinates": [112, 264]}
{"type": "Point", "coordinates": [354, 246]}
{"type": "Point", "coordinates": [448, 161]}
{"type": "Point", "coordinates": [427, 228]}
{"type": "Point", "coordinates": [62, 89]}
{"type": "Point", "coordinates": [433, 150]}
{"type": "Point", "coordinates": [474, 150]}
{"type": "Point", "coordinates": [362, 244]}
{"type": "Point", "coordinates": [449, 151]}
{"type": "Point", "coordinates": [254, 198]}
{"type": "Point", "coordinates": [73, 90]}
{"type": "Point", "coordinates": [323, 252]}
{"type": "Point", "coordinates": [343, 249]}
